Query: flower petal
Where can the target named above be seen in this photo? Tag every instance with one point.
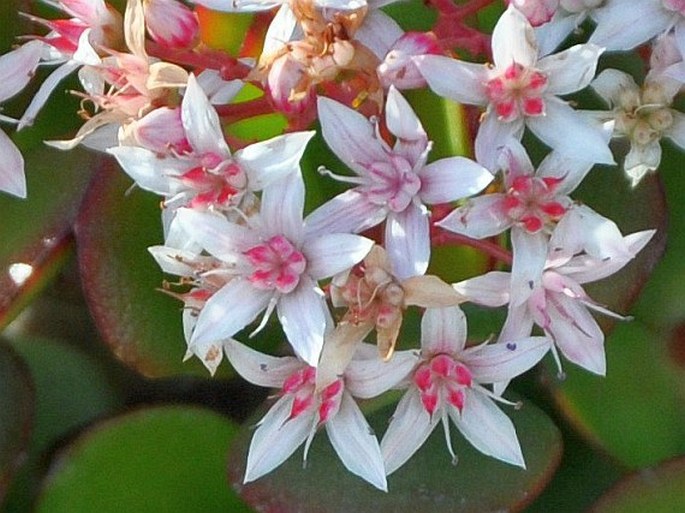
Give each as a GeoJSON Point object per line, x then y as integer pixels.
{"type": "Point", "coordinates": [266, 161]}
{"type": "Point", "coordinates": [331, 254]}
{"type": "Point", "coordinates": [149, 171]}
{"type": "Point", "coordinates": [259, 368]}
{"type": "Point", "coordinates": [570, 70]}
{"type": "Point", "coordinates": [349, 212]}
{"type": "Point", "coordinates": [443, 330]}
{"type": "Point", "coordinates": [264, 454]}
{"type": "Point", "coordinates": [506, 359]}
{"type": "Point", "coordinates": [401, 119]}
{"type": "Point", "coordinates": [407, 241]}
{"type": "Point", "coordinates": [409, 428]}
{"type": "Point", "coordinates": [619, 28]}
{"type": "Point", "coordinates": [18, 67]}
{"type": "Point", "coordinates": [370, 377]}
{"type": "Point", "coordinates": [487, 428]}
{"type": "Point", "coordinates": [457, 80]}
{"type": "Point", "coordinates": [530, 255]}
{"type": "Point", "coordinates": [478, 218]}
{"type": "Point", "coordinates": [451, 179]}
{"type": "Point", "coordinates": [429, 292]}
{"type": "Point", "coordinates": [12, 179]}
{"type": "Point", "coordinates": [378, 32]}
{"type": "Point", "coordinates": [228, 311]}
{"type": "Point", "coordinates": [513, 40]}
{"type": "Point", "coordinates": [493, 135]}
{"type": "Point", "coordinates": [221, 238]}
{"type": "Point", "coordinates": [491, 289]}
{"type": "Point", "coordinates": [356, 445]}
{"type": "Point", "coordinates": [201, 121]}
{"type": "Point", "coordinates": [282, 208]}
{"type": "Point", "coordinates": [304, 316]}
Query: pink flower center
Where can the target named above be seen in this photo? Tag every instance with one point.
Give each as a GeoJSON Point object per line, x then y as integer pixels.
{"type": "Point", "coordinates": [517, 92]}
{"type": "Point", "coordinates": [442, 379]}
{"type": "Point", "coordinates": [533, 203]}
{"type": "Point", "coordinates": [277, 265]}
{"type": "Point", "coordinates": [675, 5]}
{"type": "Point", "coordinates": [216, 182]}
{"type": "Point", "coordinates": [302, 386]}
{"type": "Point", "coordinates": [393, 184]}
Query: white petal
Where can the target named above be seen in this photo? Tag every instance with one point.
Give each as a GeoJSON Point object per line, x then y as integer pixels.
{"type": "Point", "coordinates": [571, 171]}
{"type": "Point", "coordinates": [218, 90]}
{"type": "Point", "coordinates": [370, 377]}
{"type": "Point", "coordinates": [201, 121]}
{"type": "Point", "coordinates": [282, 208]}
{"type": "Point", "coordinates": [571, 134]}
{"type": "Point", "coordinates": [276, 438]}
{"type": "Point", "coordinates": [378, 32]}
{"type": "Point", "coordinates": [12, 179]}
{"type": "Point", "coordinates": [676, 132]}
{"type": "Point", "coordinates": [409, 428]}
{"type": "Point", "coordinates": [572, 69]}
{"type": "Point", "coordinates": [221, 238]}
{"type": "Point", "coordinates": [46, 88]}
{"type": "Point", "coordinates": [460, 81]}
{"type": "Point", "coordinates": [443, 330]}
{"type": "Point", "coordinates": [239, 5]}
{"type": "Point", "coordinates": [513, 40]}
{"type": "Point", "coordinates": [619, 28]}
{"type": "Point", "coordinates": [228, 311]}
{"type": "Point", "coordinates": [491, 289]}
{"type": "Point", "coordinates": [17, 68]}
{"type": "Point", "coordinates": [493, 135]}
{"type": "Point", "coordinates": [401, 119]}
{"type": "Point", "coordinates": [552, 34]}
{"type": "Point", "coordinates": [259, 368]}
{"type": "Point", "coordinates": [355, 443]}
{"type": "Point", "coordinates": [172, 260]}
{"type": "Point", "coordinates": [149, 171]}
{"type": "Point", "coordinates": [303, 315]}
{"type": "Point", "coordinates": [350, 135]}
{"type": "Point", "coordinates": [266, 161]}
{"type": "Point", "coordinates": [506, 359]}
{"type": "Point", "coordinates": [577, 334]}
{"type": "Point", "coordinates": [331, 254]}
{"type": "Point", "coordinates": [611, 84]}
{"type": "Point", "coordinates": [530, 254]}
{"type": "Point", "coordinates": [451, 179]}
{"type": "Point", "coordinates": [488, 429]}
{"type": "Point", "coordinates": [281, 30]}
{"type": "Point", "coordinates": [479, 218]}
{"type": "Point", "coordinates": [349, 212]}
{"type": "Point", "coordinates": [407, 241]}
{"type": "Point", "coordinates": [641, 159]}
{"type": "Point", "coordinates": [518, 324]}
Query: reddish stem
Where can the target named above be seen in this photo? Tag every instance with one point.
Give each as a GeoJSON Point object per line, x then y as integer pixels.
{"type": "Point", "coordinates": [444, 238]}
{"type": "Point", "coordinates": [229, 67]}
{"type": "Point", "coordinates": [244, 110]}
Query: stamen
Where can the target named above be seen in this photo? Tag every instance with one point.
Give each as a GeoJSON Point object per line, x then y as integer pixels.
{"type": "Point", "coordinates": [356, 180]}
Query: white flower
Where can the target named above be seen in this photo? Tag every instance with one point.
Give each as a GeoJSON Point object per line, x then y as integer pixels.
{"type": "Point", "coordinates": [448, 384]}
{"type": "Point", "coordinates": [305, 406]}
{"type": "Point", "coordinates": [643, 115]}
{"type": "Point", "coordinates": [392, 183]}
{"type": "Point", "coordinates": [521, 90]}
{"type": "Point", "coordinates": [277, 263]}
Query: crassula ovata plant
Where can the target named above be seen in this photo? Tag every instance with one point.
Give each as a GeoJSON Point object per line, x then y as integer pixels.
{"type": "Point", "coordinates": [304, 257]}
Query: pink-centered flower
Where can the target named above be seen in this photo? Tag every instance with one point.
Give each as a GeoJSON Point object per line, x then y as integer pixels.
{"type": "Point", "coordinates": [277, 262]}
{"type": "Point", "coordinates": [448, 384]}
{"type": "Point", "coordinates": [521, 90]}
{"type": "Point", "coordinates": [557, 303]}
{"type": "Point", "coordinates": [306, 405]}
{"type": "Point", "coordinates": [392, 183]}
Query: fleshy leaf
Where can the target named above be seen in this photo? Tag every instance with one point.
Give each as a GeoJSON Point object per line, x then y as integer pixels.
{"type": "Point", "coordinates": [140, 324]}
{"type": "Point", "coordinates": [428, 482]}
{"type": "Point", "coordinates": [16, 414]}
{"type": "Point", "coordinates": [659, 490]}
{"type": "Point", "coordinates": [165, 459]}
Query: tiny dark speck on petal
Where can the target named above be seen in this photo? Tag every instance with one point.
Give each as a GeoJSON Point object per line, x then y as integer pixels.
{"type": "Point", "coordinates": [511, 346]}
{"type": "Point", "coordinates": [531, 284]}
{"type": "Point", "coordinates": [263, 366]}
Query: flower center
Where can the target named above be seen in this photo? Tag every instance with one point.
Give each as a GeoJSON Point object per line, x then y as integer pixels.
{"type": "Point", "coordinates": [302, 386]}
{"type": "Point", "coordinates": [215, 181]}
{"type": "Point", "coordinates": [393, 184]}
{"type": "Point", "coordinates": [442, 378]}
{"type": "Point", "coordinates": [277, 265]}
{"type": "Point", "coordinates": [517, 92]}
{"type": "Point", "coordinates": [533, 203]}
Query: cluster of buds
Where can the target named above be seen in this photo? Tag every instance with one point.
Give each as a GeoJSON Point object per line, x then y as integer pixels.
{"type": "Point", "coordinates": [237, 236]}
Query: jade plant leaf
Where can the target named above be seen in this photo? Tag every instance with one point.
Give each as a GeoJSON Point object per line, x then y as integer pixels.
{"type": "Point", "coordinates": [167, 459]}
{"type": "Point", "coordinates": [141, 325]}
{"type": "Point", "coordinates": [428, 482]}
{"type": "Point", "coordinates": [656, 490]}
{"type": "Point", "coordinates": [72, 388]}
{"type": "Point", "coordinates": [637, 412]}
{"type": "Point", "coordinates": [16, 414]}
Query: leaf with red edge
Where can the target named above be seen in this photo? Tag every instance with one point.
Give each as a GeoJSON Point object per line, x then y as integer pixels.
{"type": "Point", "coordinates": [657, 490]}
{"type": "Point", "coordinates": [16, 414]}
{"type": "Point", "coordinates": [427, 482]}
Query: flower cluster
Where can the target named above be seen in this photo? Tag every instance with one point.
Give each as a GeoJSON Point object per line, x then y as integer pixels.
{"type": "Point", "coordinates": [244, 249]}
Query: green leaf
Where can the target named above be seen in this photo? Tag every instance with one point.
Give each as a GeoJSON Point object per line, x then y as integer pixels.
{"type": "Point", "coordinates": [428, 482]}
{"type": "Point", "coordinates": [637, 412]}
{"type": "Point", "coordinates": [657, 490]}
{"type": "Point", "coordinates": [169, 459]}
{"type": "Point", "coordinates": [72, 389]}
{"type": "Point", "coordinates": [16, 414]}
{"type": "Point", "coordinates": [141, 325]}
